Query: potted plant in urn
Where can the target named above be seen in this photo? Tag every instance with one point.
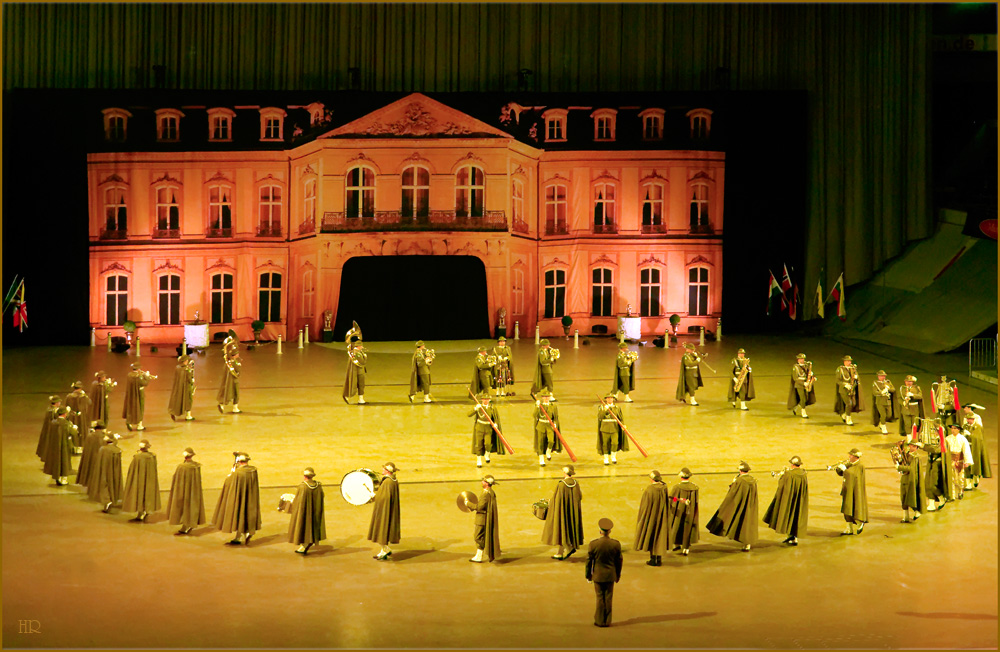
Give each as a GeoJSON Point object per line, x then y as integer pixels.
{"type": "Point", "coordinates": [675, 320]}
{"type": "Point", "coordinates": [567, 321]}
{"type": "Point", "coordinates": [258, 327]}
{"type": "Point", "coordinates": [129, 328]}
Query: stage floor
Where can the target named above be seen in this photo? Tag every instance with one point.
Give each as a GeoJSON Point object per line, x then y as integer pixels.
{"type": "Point", "coordinates": [74, 577]}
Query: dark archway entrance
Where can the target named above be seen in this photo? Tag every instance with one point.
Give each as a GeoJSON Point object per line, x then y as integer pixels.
{"type": "Point", "coordinates": [414, 297]}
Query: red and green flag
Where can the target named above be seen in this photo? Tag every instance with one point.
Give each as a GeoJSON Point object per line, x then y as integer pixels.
{"type": "Point", "coordinates": [837, 294]}
{"type": "Point", "coordinates": [774, 292]}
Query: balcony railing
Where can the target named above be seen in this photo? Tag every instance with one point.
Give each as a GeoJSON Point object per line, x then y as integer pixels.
{"type": "Point", "coordinates": [605, 228]}
{"type": "Point", "coordinates": [519, 225]}
{"type": "Point", "coordinates": [308, 226]}
{"type": "Point", "coordinates": [654, 228]}
{"type": "Point", "coordinates": [556, 228]}
{"type": "Point", "coordinates": [166, 233]}
{"type": "Point", "coordinates": [337, 222]}
{"type": "Point", "coordinates": [112, 234]}
{"type": "Point", "coordinates": [703, 229]}
{"type": "Point", "coordinates": [220, 233]}
{"type": "Point", "coordinates": [269, 231]}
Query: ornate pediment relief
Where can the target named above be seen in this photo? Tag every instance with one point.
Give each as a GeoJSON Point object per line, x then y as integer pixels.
{"type": "Point", "coordinates": [220, 264]}
{"type": "Point", "coordinates": [603, 258]}
{"type": "Point", "coordinates": [116, 267]}
{"type": "Point", "coordinates": [167, 266]}
{"type": "Point", "coordinates": [114, 178]}
{"type": "Point", "coordinates": [652, 260]}
{"type": "Point", "coordinates": [699, 259]}
{"type": "Point", "coordinates": [416, 115]}
{"type": "Point", "coordinates": [166, 178]}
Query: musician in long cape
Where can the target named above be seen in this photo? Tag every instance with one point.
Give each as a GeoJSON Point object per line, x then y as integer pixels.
{"type": "Point", "coordinates": [547, 356]}
{"type": "Point", "coordinates": [105, 485]}
{"type": "Point", "coordinates": [981, 467]}
{"type": "Point", "coordinates": [135, 396]}
{"type": "Point", "coordinates": [564, 520]}
{"type": "Point", "coordinates": [307, 526]}
{"type": "Point", "coordinates": [742, 376]}
{"type": "Point", "coordinates": [652, 530]}
{"type": "Point", "coordinates": [690, 375]}
{"type": "Point", "coordinates": [960, 454]}
{"type": "Point", "coordinates": [546, 440]}
{"type": "Point", "coordinates": [885, 402]}
{"type": "Point", "coordinates": [80, 406]}
{"type": "Point", "coordinates": [682, 513]}
{"type": "Point", "coordinates": [142, 486]}
{"type": "Point", "coordinates": [420, 373]}
{"type": "Point", "coordinates": [100, 394]}
{"type": "Point", "coordinates": [801, 392]}
{"type": "Point", "coordinates": [911, 405]}
{"type": "Point", "coordinates": [482, 372]}
{"type": "Point", "coordinates": [357, 366]}
{"type": "Point", "coordinates": [911, 479]}
{"type": "Point", "coordinates": [229, 389]}
{"type": "Point", "coordinates": [88, 459]}
{"type": "Point", "coordinates": [848, 399]}
{"type": "Point", "coordinates": [503, 370]}
{"type": "Point", "coordinates": [182, 390]}
{"type": "Point", "coordinates": [610, 436]}
{"type": "Point", "coordinates": [624, 381]}
{"type": "Point", "coordinates": [55, 402]}
{"type": "Point", "coordinates": [788, 512]}
{"type": "Point", "coordinates": [737, 516]}
{"type": "Point", "coordinates": [238, 509]}
{"type": "Point", "coordinates": [486, 528]}
{"type": "Point", "coordinates": [59, 447]}
{"type": "Point", "coordinates": [384, 526]}
{"type": "Point", "coordinates": [484, 438]}
{"type": "Point", "coordinates": [186, 502]}
{"type": "Point", "coordinates": [944, 400]}
{"type": "Point", "coordinates": [937, 475]}
{"type": "Point", "coordinates": [853, 492]}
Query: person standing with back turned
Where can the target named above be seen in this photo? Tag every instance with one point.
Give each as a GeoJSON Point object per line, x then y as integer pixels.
{"type": "Point", "coordinates": [604, 569]}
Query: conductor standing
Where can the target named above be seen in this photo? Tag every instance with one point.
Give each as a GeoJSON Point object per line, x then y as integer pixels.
{"type": "Point", "coordinates": [604, 569]}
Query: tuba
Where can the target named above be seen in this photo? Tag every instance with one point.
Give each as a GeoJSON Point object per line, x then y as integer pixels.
{"type": "Point", "coordinates": [898, 457]}
{"type": "Point", "coordinates": [944, 394]}
{"type": "Point", "coordinates": [354, 330]}
{"type": "Point", "coordinates": [742, 377]}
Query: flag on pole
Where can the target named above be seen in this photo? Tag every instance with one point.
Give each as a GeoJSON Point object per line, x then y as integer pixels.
{"type": "Point", "coordinates": [793, 303]}
{"type": "Point", "coordinates": [773, 290]}
{"type": "Point", "coordinates": [786, 281]}
{"type": "Point", "coordinates": [21, 311]}
{"type": "Point", "coordinates": [11, 293]}
{"type": "Point", "coordinates": [838, 295]}
{"type": "Point", "coordinates": [819, 296]}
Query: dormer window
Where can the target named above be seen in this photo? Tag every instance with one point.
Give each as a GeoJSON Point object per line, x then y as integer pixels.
{"type": "Point", "coordinates": [652, 124]}
{"type": "Point", "coordinates": [316, 113]}
{"type": "Point", "coordinates": [701, 123]}
{"type": "Point", "coordinates": [220, 125]}
{"type": "Point", "coordinates": [168, 125]}
{"type": "Point", "coordinates": [115, 125]}
{"type": "Point", "coordinates": [604, 124]}
{"type": "Point", "coordinates": [272, 124]}
{"type": "Point", "coordinates": [555, 125]}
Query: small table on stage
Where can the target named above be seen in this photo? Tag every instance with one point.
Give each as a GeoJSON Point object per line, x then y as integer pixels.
{"type": "Point", "coordinates": [196, 335]}
{"type": "Point", "coordinates": [632, 327]}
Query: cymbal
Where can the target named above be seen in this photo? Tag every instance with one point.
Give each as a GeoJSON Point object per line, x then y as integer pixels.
{"type": "Point", "coordinates": [466, 496]}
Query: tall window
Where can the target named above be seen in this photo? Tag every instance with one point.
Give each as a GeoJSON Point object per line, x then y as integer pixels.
{"type": "Point", "coordinates": [360, 192]}
{"type": "Point", "coordinates": [698, 291]}
{"type": "Point", "coordinates": [652, 124]}
{"type": "Point", "coordinates": [652, 205]}
{"type": "Point", "coordinates": [115, 211]}
{"type": "Point", "coordinates": [701, 123]}
{"type": "Point", "coordinates": [649, 292]}
{"type": "Point", "coordinates": [416, 191]}
{"type": "Point", "coordinates": [517, 282]}
{"type": "Point", "coordinates": [269, 210]}
{"type": "Point", "coordinates": [220, 124]}
{"type": "Point", "coordinates": [555, 293]}
{"type": "Point", "coordinates": [469, 190]}
{"type": "Point", "coordinates": [699, 205]}
{"type": "Point", "coordinates": [269, 297]}
{"type": "Point", "coordinates": [604, 205]}
{"type": "Point", "coordinates": [604, 124]}
{"type": "Point", "coordinates": [169, 295]}
{"type": "Point", "coordinates": [308, 293]}
{"type": "Point", "coordinates": [222, 298]}
{"type": "Point", "coordinates": [555, 124]}
{"type": "Point", "coordinates": [220, 210]}
{"type": "Point", "coordinates": [271, 121]}
{"type": "Point", "coordinates": [116, 128]}
{"type": "Point", "coordinates": [117, 299]}
{"type": "Point", "coordinates": [168, 211]}
{"type": "Point", "coordinates": [517, 201]}
{"type": "Point", "coordinates": [168, 127]}
{"type": "Point", "coordinates": [272, 128]}
{"type": "Point", "coordinates": [555, 208]}
{"type": "Point", "coordinates": [309, 202]}
{"type": "Point", "coordinates": [603, 290]}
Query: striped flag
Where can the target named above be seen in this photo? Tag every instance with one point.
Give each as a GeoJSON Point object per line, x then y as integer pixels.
{"type": "Point", "coordinates": [21, 311]}
{"type": "Point", "coordinates": [819, 296]}
{"type": "Point", "coordinates": [773, 291]}
{"type": "Point", "coordinates": [837, 293]}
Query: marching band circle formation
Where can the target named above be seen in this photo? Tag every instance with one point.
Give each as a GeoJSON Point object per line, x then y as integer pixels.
{"type": "Point", "coordinates": [934, 466]}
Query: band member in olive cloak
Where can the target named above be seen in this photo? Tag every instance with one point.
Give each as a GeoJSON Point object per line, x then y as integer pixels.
{"type": "Point", "coordinates": [100, 394]}
{"type": "Point", "coordinates": [238, 509]}
{"type": "Point", "coordinates": [357, 370]}
{"type": "Point", "coordinates": [741, 369]}
{"type": "Point", "coordinates": [848, 399]}
{"type": "Point", "coordinates": [106, 486]}
{"type": "Point", "coordinates": [854, 503]}
{"type": "Point", "coordinates": [384, 526]}
{"type": "Point", "coordinates": [43, 438]}
{"type": "Point", "coordinates": [484, 438]}
{"type": "Point", "coordinates": [801, 391]}
{"type": "Point", "coordinates": [229, 389]}
{"type": "Point", "coordinates": [652, 529]}
{"type": "Point", "coordinates": [57, 462]}
{"type": "Point", "coordinates": [142, 485]}
{"type": "Point", "coordinates": [788, 512]}
{"type": "Point", "coordinates": [92, 443]}
{"type": "Point", "coordinates": [482, 372]}
{"type": "Point", "coordinates": [690, 375]}
{"type": "Point", "coordinates": [487, 525]}
{"type": "Point", "coordinates": [885, 405]}
{"type": "Point", "coordinates": [737, 516]}
{"type": "Point", "coordinates": [610, 436]}
{"type": "Point", "coordinates": [981, 467]}
{"type": "Point", "coordinates": [307, 526]}
{"type": "Point", "coordinates": [503, 370]}
{"type": "Point", "coordinates": [186, 504]}
{"type": "Point", "coordinates": [911, 481]}
{"type": "Point", "coordinates": [182, 391]}
{"type": "Point", "coordinates": [564, 520]}
{"type": "Point", "coordinates": [80, 406]}
{"type": "Point", "coordinates": [546, 415]}
{"type": "Point", "coordinates": [936, 478]}
{"type": "Point", "coordinates": [624, 372]}
{"type": "Point", "coordinates": [420, 372]}
{"type": "Point", "coordinates": [911, 405]}
{"type": "Point", "coordinates": [682, 513]}
{"type": "Point", "coordinates": [547, 356]}
{"type": "Point", "coordinates": [135, 396]}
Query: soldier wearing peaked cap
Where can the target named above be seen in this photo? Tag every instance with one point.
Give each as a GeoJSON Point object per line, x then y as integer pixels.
{"type": "Point", "coordinates": [88, 460]}
{"type": "Point", "coordinates": [182, 390]}
{"type": "Point", "coordinates": [564, 520]}
{"type": "Point", "coordinates": [911, 480]}
{"type": "Point", "coordinates": [801, 392]}
{"type": "Point", "coordinates": [142, 486]}
{"type": "Point", "coordinates": [503, 370]}
{"type": "Point", "coordinates": [981, 467]}
{"type": "Point", "coordinates": [854, 495]}
{"type": "Point", "coordinates": [482, 372]}
{"type": "Point", "coordinates": [624, 372]}
{"type": "Point", "coordinates": [307, 526]}
{"type": "Point", "coordinates": [610, 436]}
{"type": "Point", "coordinates": [736, 517]}
{"type": "Point", "coordinates": [59, 447]}
{"type": "Point", "coordinates": [105, 485]}
{"type": "Point", "coordinates": [80, 406]}
{"type": "Point", "coordinates": [486, 532]}
{"type": "Point", "coordinates": [690, 375]}
{"type": "Point", "coordinates": [848, 399]}
{"type": "Point", "coordinates": [55, 403]}
{"type": "Point", "coordinates": [384, 526]}
{"type": "Point", "coordinates": [484, 438]}
{"type": "Point", "coordinates": [885, 402]}
{"type": "Point", "coordinates": [546, 440]}
{"type": "Point", "coordinates": [186, 504]}
{"type": "Point", "coordinates": [238, 509]}
{"type": "Point", "coordinates": [135, 396]}
{"type": "Point", "coordinates": [743, 378]}
{"type": "Point", "coordinates": [788, 512]}
{"type": "Point", "coordinates": [547, 356]}
{"type": "Point", "coordinates": [604, 569]}
{"type": "Point", "coordinates": [100, 394]}
{"type": "Point", "coordinates": [911, 405]}
{"type": "Point", "coordinates": [420, 372]}
{"type": "Point", "coordinates": [682, 513]}
{"type": "Point", "coordinates": [651, 525]}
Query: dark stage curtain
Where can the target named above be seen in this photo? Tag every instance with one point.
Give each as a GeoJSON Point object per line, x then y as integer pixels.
{"type": "Point", "coordinates": [864, 66]}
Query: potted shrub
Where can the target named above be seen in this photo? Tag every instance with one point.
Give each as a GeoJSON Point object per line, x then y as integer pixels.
{"type": "Point", "coordinates": [567, 321]}
{"type": "Point", "coordinates": [258, 327]}
{"type": "Point", "coordinates": [129, 328]}
{"type": "Point", "coordinates": [675, 320]}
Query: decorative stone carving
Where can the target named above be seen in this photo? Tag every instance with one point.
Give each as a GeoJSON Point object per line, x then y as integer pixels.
{"type": "Point", "coordinates": [166, 178]}
{"type": "Point", "coordinates": [699, 259]}
{"type": "Point", "coordinates": [417, 121]}
{"type": "Point", "coordinates": [652, 259]}
{"type": "Point", "coordinates": [116, 266]}
{"type": "Point", "coordinates": [168, 265]}
{"type": "Point", "coordinates": [114, 178]}
{"type": "Point", "coordinates": [603, 258]}
{"type": "Point", "coordinates": [220, 263]}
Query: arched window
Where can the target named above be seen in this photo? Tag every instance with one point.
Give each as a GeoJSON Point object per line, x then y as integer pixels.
{"type": "Point", "coordinates": [116, 124]}
{"type": "Point", "coordinates": [269, 211]}
{"type": "Point", "coordinates": [698, 291]}
{"type": "Point", "coordinates": [604, 124]}
{"type": "Point", "coordinates": [360, 192]}
{"type": "Point", "coordinates": [168, 212]}
{"type": "Point", "coordinates": [416, 192]}
{"type": "Point", "coordinates": [269, 297]}
{"type": "Point", "coordinates": [220, 211]}
{"type": "Point", "coordinates": [555, 124]}
{"type": "Point", "coordinates": [555, 293]}
{"type": "Point", "coordinates": [272, 121]}
{"type": "Point", "coordinates": [470, 187]}
{"type": "Point", "coordinates": [115, 212]}
{"type": "Point", "coordinates": [652, 207]}
{"type": "Point", "coordinates": [603, 290]}
{"type": "Point", "coordinates": [652, 124]}
{"type": "Point", "coordinates": [220, 125]}
{"type": "Point", "coordinates": [699, 206]}
{"type": "Point", "coordinates": [555, 209]}
{"type": "Point", "coordinates": [701, 123]}
{"type": "Point", "coordinates": [649, 292]}
{"type": "Point", "coordinates": [168, 123]}
{"type": "Point", "coordinates": [604, 207]}
{"type": "Point", "coordinates": [222, 298]}
{"type": "Point", "coordinates": [308, 293]}
{"type": "Point", "coordinates": [116, 299]}
{"type": "Point", "coordinates": [168, 294]}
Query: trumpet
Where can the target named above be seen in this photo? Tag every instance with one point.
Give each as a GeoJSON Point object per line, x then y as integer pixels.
{"type": "Point", "coordinates": [429, 355]}
{"type": "Point", "coordinates": [907, 393]}
{"type": "Point", "coordinates": [146, 375]}
{"type": "Point", "coordinates": [779, 473]}
{"type": "Point", "coordinates": [233, 364]}
{"type": "Point", "coordinates": [853, 382]}
{"type": "Point", "coordinates": [839, 467]}
{"type": "Point", "coordinates": [886, 390]}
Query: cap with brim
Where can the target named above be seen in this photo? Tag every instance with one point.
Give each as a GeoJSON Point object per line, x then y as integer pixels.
{"type": "Point", "coordinates": [912, 379]}
{"type": "Point", "coordinates": [800, 356]}
{"type": "Point", "coordinates": [308, 472]}
{"type": "Point", "coordinates": [420, 343]}
{"type": "Point", "coordinates": [622, 345]}
{"type": "Point", "coordinates": [243, 457]}
{"type": "Point", "coordinates": [98, 374]}
{"type": "Point", "coordinates": [183, 358]}
{"type": "Point", "coordinates": [848, 358]}
{"type": "Point", "coordinates": [144, 443]}
{"type": "Point", "coordinates": [880, 372]}
{"type": "Point", "coordinates": [744, 467]}
{"type": "Point", "coordinates": [482, 349]}
{"type": "Point", "coordinates": [611, 396]}
{"type": "Point", "coordinates": [390, 467]}
{"type": "Point", "coordinates": [543, 343]}
{"type": "Point", "coordinates": [55, 399]}
{"type": "Point", "coordinates": [483, 394]}
{"type": "Point", "coordinates": [569, 470]}
{"type": "Point", "coordinates": [490, 480]}
{"type": "Point", "coordinates": [740, 351]}
{"type": "Point", "coordinates": [501, 339]}
{"type": "Point", "coordinates": [63, 411]}
{"type": "Point", "coordinates": [855, 452]}
{"type": "Point", "coordinates": [77, 385]}
{"type": "Point", "coordinates": [188, 452]}
{"type": "Point", "coordinates": [795, 461]}
{"type": "Point", "coordinates": [688, 345]}
{"type": "Point", "coordinates": [605, 524]}
{"type": "Point", "coordinates": [655, 475]}
{"type": "Point", "coordinates": [543, 393]}
{"type": "Point", "coordinates": [136, 366]}
{"type": "Point", "coordinates": [685, 472]}
{"type": "Point", "coordinates": [233, 335]}
{"type": "Point", "coordinates": [954, 425]}
{"type": "Point", "coordinates": [110, 437]}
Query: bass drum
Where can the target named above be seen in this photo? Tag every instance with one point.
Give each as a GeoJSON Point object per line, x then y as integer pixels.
{"type": "Point", "coordinates": [358, 487]}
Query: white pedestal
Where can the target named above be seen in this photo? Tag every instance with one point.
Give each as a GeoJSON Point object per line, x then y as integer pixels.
{"type": "Point", "coordinates": [196, 335]}
{"type": "Point", "coordinates": [631, 326]}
